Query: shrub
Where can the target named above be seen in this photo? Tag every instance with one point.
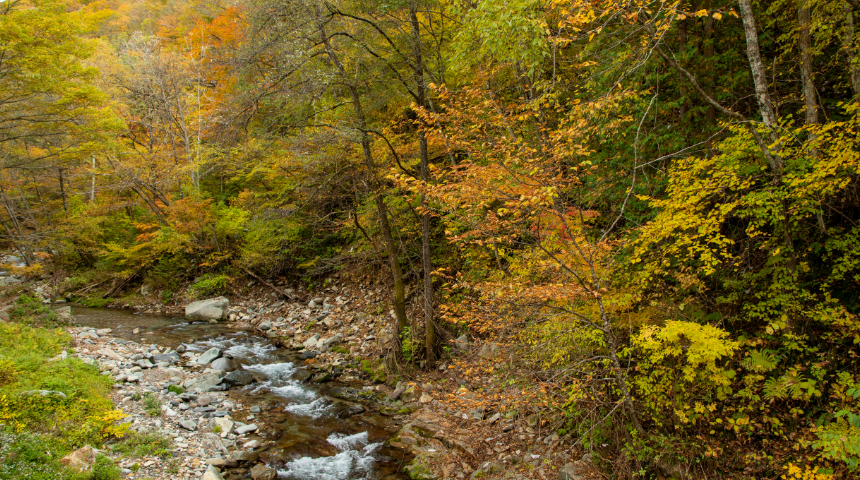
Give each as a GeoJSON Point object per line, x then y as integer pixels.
{"type": "Point", "coordinates": [209, 286]}
{"type": "Point", "coordinates": [151, 404]}
{"type": "Point", "coordinates": [37, 457]}
{"type": "Point", "coordinates": [144, 444]}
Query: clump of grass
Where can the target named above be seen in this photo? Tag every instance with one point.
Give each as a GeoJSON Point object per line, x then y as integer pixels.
{"type": "Point", "coordinates": [176, 389]}
{"type": "Point", "coordinates": [151, 404]}
{"type": "Point", "coordinates": [31, 311]}
{"type": "Point", "coordinates": [144, 444]}
{"type": "Point", "coordinates": [96, 302]}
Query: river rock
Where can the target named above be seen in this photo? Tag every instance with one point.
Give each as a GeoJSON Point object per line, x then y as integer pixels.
{"type": "Point", "coordinates": [311, 343]}
{"type": "Point", "coordinates": [209, 355]}
{"type": "Point", "coordinates": [225, 364]}
{"type": "Point", "coordinates": [262, 472]}
{"type": "Point", "coordinates": [569, 472]}
{"type": "Point", "coordinates": [81, 460]}
{"type": "Point", "coordinates": [170, 358]}
{"type": "Point", "coordinates": [239, 378]}
{"type": "Point", "coordinates": [202, 383]}
{"type": "Point", "coordinates": [246, 429]}
{"type": "Point", "coordinates": [224, 424]}
{"type": "Point", "coordinates": [461, 343]}
{"type": "Point", "coordinates": [409, 395]}
{"type": "Point", "coordinates": [188, 425]}
{"type": "Point", "coordinates": [212, 473]}
{"type": "Point", "coordinates": [246, 457]}
{"type": "Point", "coordinates": [328, 342]}
{"type": "Point", "coordinates": [211, 309]}
{"type": "Point", "coordinates": [267, 325]}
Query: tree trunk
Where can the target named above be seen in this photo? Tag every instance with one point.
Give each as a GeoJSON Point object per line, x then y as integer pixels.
{"type": "Point", "coordinates": [63, 191]}
{"type": "Point", "coordinates": [849, 50]}
{"type": "Point", "coordinates": [382, 210]}
{"type": "Point", "coordinates": [804, 44]}
{"type": "Point", "coordinates": [426, 259]}
{"type": "Point", "coordinates": [765, 104]}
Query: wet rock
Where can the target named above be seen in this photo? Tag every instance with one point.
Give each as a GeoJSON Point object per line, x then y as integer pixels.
{"type": "Point", "coordinates": [322, 377]}
{"type": "Point", "coordinates": [302, 375]}
{"type": "Point", "coordinates": [225, 364]}
{"type": "Point", "coordinates": [81, 460]}
{"type": "Point", "coordinates": [239, 378]}
{"type": "Point", "coordinates": [243, 457]}
{"type": "Point", "coordinates": [309, 354]}
{"type": "Point", "coordinates": [209, 356]}
{"type": "Point", "coordinates": [211, 309]}
{"type": "Point", "coordinates": [267, 325]}
{"type": "Point", "coordinates": [352, 410]}
{"type": "Point", "coordinates": [256, 409]}
{"type": "Point", "coordinates": [262, 472]}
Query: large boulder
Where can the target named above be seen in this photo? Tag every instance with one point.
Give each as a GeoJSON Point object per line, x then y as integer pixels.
{"type": "Point", "coordinates": [225, 364]}
{"type": "Point", "coordinates": [211, 309]}
{"type": "Point", "coordinates": [239, 378]}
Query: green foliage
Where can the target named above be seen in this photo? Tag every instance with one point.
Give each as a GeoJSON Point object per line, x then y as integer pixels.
{"type": "Point", "coordinates": [175, 389]}
{"type": "Point", "coordinates": [144, 444]}
{"type": "Point", "coordinates": [31, 311]}
{"type": "Point", "coordinates": [209, 285]}
{"type": "Point", "coordinates": [409, 345]}
{"type": "Point", "coordinates": [151, 404]}
{"type": "Point", "coordinates": [76, 410]}
{"type": "Point", "coordinates": [37, 457]}
{"type": "Point", "coordinates": [96, 302]}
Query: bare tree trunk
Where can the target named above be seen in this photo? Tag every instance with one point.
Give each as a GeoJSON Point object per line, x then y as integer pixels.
{"type": "Point", "coordinates": [382, 210]}
{"type": "Point", "coordinates": [709, 55]}
{"type": "Point", "coordinates": [849, 50]}
{"type": "Point", "coordinates": [765, 104]}
{"type": "Point", "coordinates": [804, 44]}
{"type": "Point", "coordinates": [93, 182]}
{"type": "Point", "coordinates": [63, 191]}
{"type": "Point", "coordinates": [426, 259]}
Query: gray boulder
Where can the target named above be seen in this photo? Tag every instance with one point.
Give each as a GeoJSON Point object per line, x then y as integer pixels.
{"type": "Point", "coordinates": [209, 356]}
{"type": "Point", "coordinates": [166, 357]}
{"type": "Point", "coordinates": [202, 383]}
{"type": "Point", "coordinates": [211, 309]}
{"type": "Point", "coordinates": [239, 378]}
{"type": "Point", "coordinates": [225, 364]}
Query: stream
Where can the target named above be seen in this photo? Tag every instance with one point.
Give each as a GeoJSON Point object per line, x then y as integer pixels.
{"type": "Point", "coordinates": [313, 438]}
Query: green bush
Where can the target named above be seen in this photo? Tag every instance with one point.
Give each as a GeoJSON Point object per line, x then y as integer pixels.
{"type": "Point", "coordinates": [37, 457]}
{"type": "Point", "coordinates": [209, 286]}
{"type": "Point", "coordinates": [31, 311]}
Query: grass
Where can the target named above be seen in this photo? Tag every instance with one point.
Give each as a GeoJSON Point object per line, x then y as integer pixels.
{"type": "Point", "coordinates": [142, 444]}
{"type": "Point", "coordinates": [151, 404]}
{"type": "Point", "coordinates": [176, 389]}
{"type": "Point", "coordinates": [37, 457]}
{"type": "Point", "coordinates": [36, 430]}
{"type": "Point", "coordinates": [96, 302]}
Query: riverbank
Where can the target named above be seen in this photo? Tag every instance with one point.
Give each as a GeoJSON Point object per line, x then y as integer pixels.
{"type": "Point", "coordinates": [339, 333]}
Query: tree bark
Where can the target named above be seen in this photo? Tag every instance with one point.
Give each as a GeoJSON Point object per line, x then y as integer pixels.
{"type": "Point", "coordinates": [768, 114]}
{"type": "Point", "coordinates": [426, 258]}
{"type": "Point", "coordinates": [804, 45]}
{"type": "Point", "coordinates": [382, 210]}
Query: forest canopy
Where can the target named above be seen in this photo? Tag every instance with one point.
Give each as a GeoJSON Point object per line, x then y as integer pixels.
{"type": "Point", "coordinates": [652, 205]}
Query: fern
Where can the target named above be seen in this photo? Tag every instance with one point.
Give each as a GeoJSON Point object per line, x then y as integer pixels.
{"type": "Point", "coordinates": [761, 362]}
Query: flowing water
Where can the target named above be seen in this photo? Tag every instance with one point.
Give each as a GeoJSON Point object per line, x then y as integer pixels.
{"type": "Point", "coordinates": [312, 440]}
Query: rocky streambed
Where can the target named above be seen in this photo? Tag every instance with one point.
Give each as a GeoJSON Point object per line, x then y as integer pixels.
{"type": "Point", "coordinates": [234, 405]}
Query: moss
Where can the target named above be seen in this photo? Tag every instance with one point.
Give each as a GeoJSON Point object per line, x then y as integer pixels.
{"type": "Point", "coordinates": [96, 302]}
